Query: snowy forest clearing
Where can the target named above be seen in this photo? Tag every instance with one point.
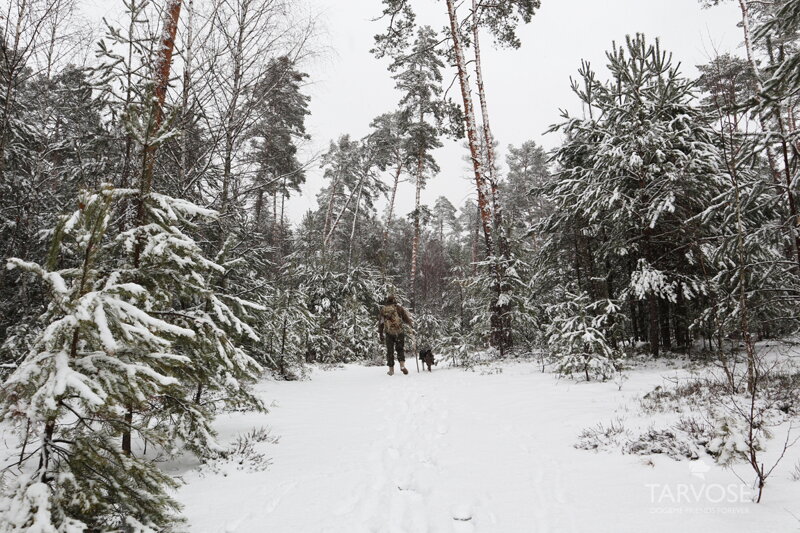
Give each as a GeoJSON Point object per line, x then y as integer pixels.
{"type": "Point", "coordinates": [484, 451]}
{"type": "Point", "coordinates": [158, 290]}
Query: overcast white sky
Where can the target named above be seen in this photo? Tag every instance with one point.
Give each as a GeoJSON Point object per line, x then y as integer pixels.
{"type": "Point", "coordinates": [525, 87]}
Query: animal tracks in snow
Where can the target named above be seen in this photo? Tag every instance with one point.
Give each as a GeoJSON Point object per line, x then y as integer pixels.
{"type": "Point", "coordinates": [447, 452]}
{"type": "Point", "coordinates": [406, 487]}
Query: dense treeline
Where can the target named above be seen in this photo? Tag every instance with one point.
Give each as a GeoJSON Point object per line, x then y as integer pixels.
{"type": "Point", "coordinates": [675, 218]}
{"type": "Point", "coordinates": [153, 275]}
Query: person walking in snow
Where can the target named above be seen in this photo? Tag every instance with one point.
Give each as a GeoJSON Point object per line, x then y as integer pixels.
{"type": "Point", "coordinates": [391, 318]}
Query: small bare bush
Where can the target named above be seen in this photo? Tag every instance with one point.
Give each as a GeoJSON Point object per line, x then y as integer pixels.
{"type": "Point", "coordinates": [602, 436]}
{"type": "Point", "coordinates": [242, 452]}
{"type": "Point", "coordinates": [662, 442]}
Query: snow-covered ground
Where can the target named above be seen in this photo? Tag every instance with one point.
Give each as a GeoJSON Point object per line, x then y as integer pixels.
{"type": "Point", "coordinates": [456, 451]}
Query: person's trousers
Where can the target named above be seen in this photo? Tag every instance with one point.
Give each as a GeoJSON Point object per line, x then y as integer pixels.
{"type": "Point", "coordinates": [395, 343]}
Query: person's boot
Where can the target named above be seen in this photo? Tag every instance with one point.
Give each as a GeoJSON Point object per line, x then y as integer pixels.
{"type": "Point", "coordinates": [391, 371]}
{"type": "Point", "coordinates": [403, 368]}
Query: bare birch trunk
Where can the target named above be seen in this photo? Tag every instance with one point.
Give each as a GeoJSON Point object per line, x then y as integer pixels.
{"type": "Point", "coordinates": [231, 120]}
{"type": "Point", "coordinates": [472, 135]}
{"type": "Point", "coordinates": [355, 221]}
{"type": "Point", "coordinates": [415, 244]}
{"type": "Point", "coordinates": [389, 216]}
{"type": "Point", "coordinates": [329, 213]}
{"type": "Point", "coordinates": [344, 209]}
{"type": "Point", "coordinates": [504, 336]}
{"type": "Point", "coordinates": [480, 180]}
{"type": "Point", "coordinates": [488, 138]}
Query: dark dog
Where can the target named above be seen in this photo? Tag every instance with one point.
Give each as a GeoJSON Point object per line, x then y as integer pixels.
{"type": "Point", "coordinates": [426, 356]}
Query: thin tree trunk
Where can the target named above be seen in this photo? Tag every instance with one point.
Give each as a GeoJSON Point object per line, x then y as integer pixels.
{"type": "Point", "coordinates": [227, 165]}
{"type": "Point", "coordinates": [577, 267]}
{"type": "Point", "coordinates": [163, 68]}
{"type": "Point", "coordinates": [329, 213]}
{"type": "Point", "coordinates": [259, 207]}
{"type": "Point", "coordinates": [475, 232]}
{"type": "Point", "coordinates": [187, 82]}
{"type": "Point", "coordinates": [230, 123]}
{"type": "Point", "coordinates": [477, 165]}
{"type": "Point", "coordinates": [503, 310]}
{"type": "Point", "coordinates": [652, 309]}
{"type": "Point", "coordinates": [282, 360]}
{"type": "Point", "coordinates": [488, 138]}
{"type": "Point", "coordinates": [664, 319]}
{"type": "Point", "coordinates": [343, 210]}
{"type": "Point", "coordinates": [275, 218]}
{"type": "Point", "coordinates": [472, 135]}
{"type": "Point", "coordinates": [389, 216]}
{"type": "Point", "coordinates": [778, 176]}
{"type": "Point", "coordinates": [415, 244]}
{"type": "Point", "coordinates": [634, 320]}
{"type": "Point", "coordinates": [126, 165]}
{"type": "Point", "coordinates": [281, 223]}
{"type": "Point", "coordinates": [355, 220]}
{"type": "Point", "coordinates": [162, 71]}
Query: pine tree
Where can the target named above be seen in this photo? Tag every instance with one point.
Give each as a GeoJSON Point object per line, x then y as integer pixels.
{"type": "Point", "coordinates": [444, 215]}
{"type": "Point", "coordinates": [576, 336]}
{"type": "Point", "coordinates": [528, 174]}
{"type": "Point", "coordinates": [501, 19]}
{"type": "Point", "coordinates": [634, 177]}
{"type": "Point", "coordinates": [282, 110]}
{"type": "Point", "coordinates": [137, 346]}
{"type": "Point", "coordinates": [424, 116]}
{"type": "Point", "coordinates": [389, 138]}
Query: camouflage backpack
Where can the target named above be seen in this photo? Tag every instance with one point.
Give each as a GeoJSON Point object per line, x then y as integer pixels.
{"type": "Point", "coordinates": [392, 322]}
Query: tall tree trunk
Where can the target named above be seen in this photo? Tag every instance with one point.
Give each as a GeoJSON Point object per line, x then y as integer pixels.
{"type": "Point", "coordinates": [477, 165]}
{"type": "Point", "coordinates": [653, 324]}
{"type": "Point", "coordinates": [475, 232]}
{"type": "Point", "coordinates": [275, 218]}
{"type": "Point", "coordinates": [355, 221]}
{"type": "Point", "coordinates": [488, 138]}
{"type": "Point", "coordinates": [664, 319]}
{"type": "Point", "coordinates": [326, 227]}
{"type": "Point", "coordinates": [415, 243]}
{"type": "Point", "coordinates": [679, 321]}
{"type": "Point", "coordinates": [259, 207]}
{"type": "Point", "coordinates": [503, 310]}
{"type": "Point", "coordinates": [577, 266]}
{"type": "Point", "coordinates": [281, 223]}
{"type": "Point", "coordinates": [125, 176]}
{"type": "Point", "coordinates": [778, 175]}
{"type": "Point", "coordinates": [634, 319]}
{"type": "Point", "coordinates": [162, 72]}
{"type": "Point", "coordinates": [227, 166]}
{"type": "Point", "coordinates": [163, 67]}
{"type": "Point", "coordinates": [187, 83]}
{"type": "Point", "coordinates": [230, 125]}
{"type": "Point", "coordinates": [472, 135]}
{"type": "Point", "coordinates": [335, 223]}
{"type": "Point", "coordinates": [389, 215]}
